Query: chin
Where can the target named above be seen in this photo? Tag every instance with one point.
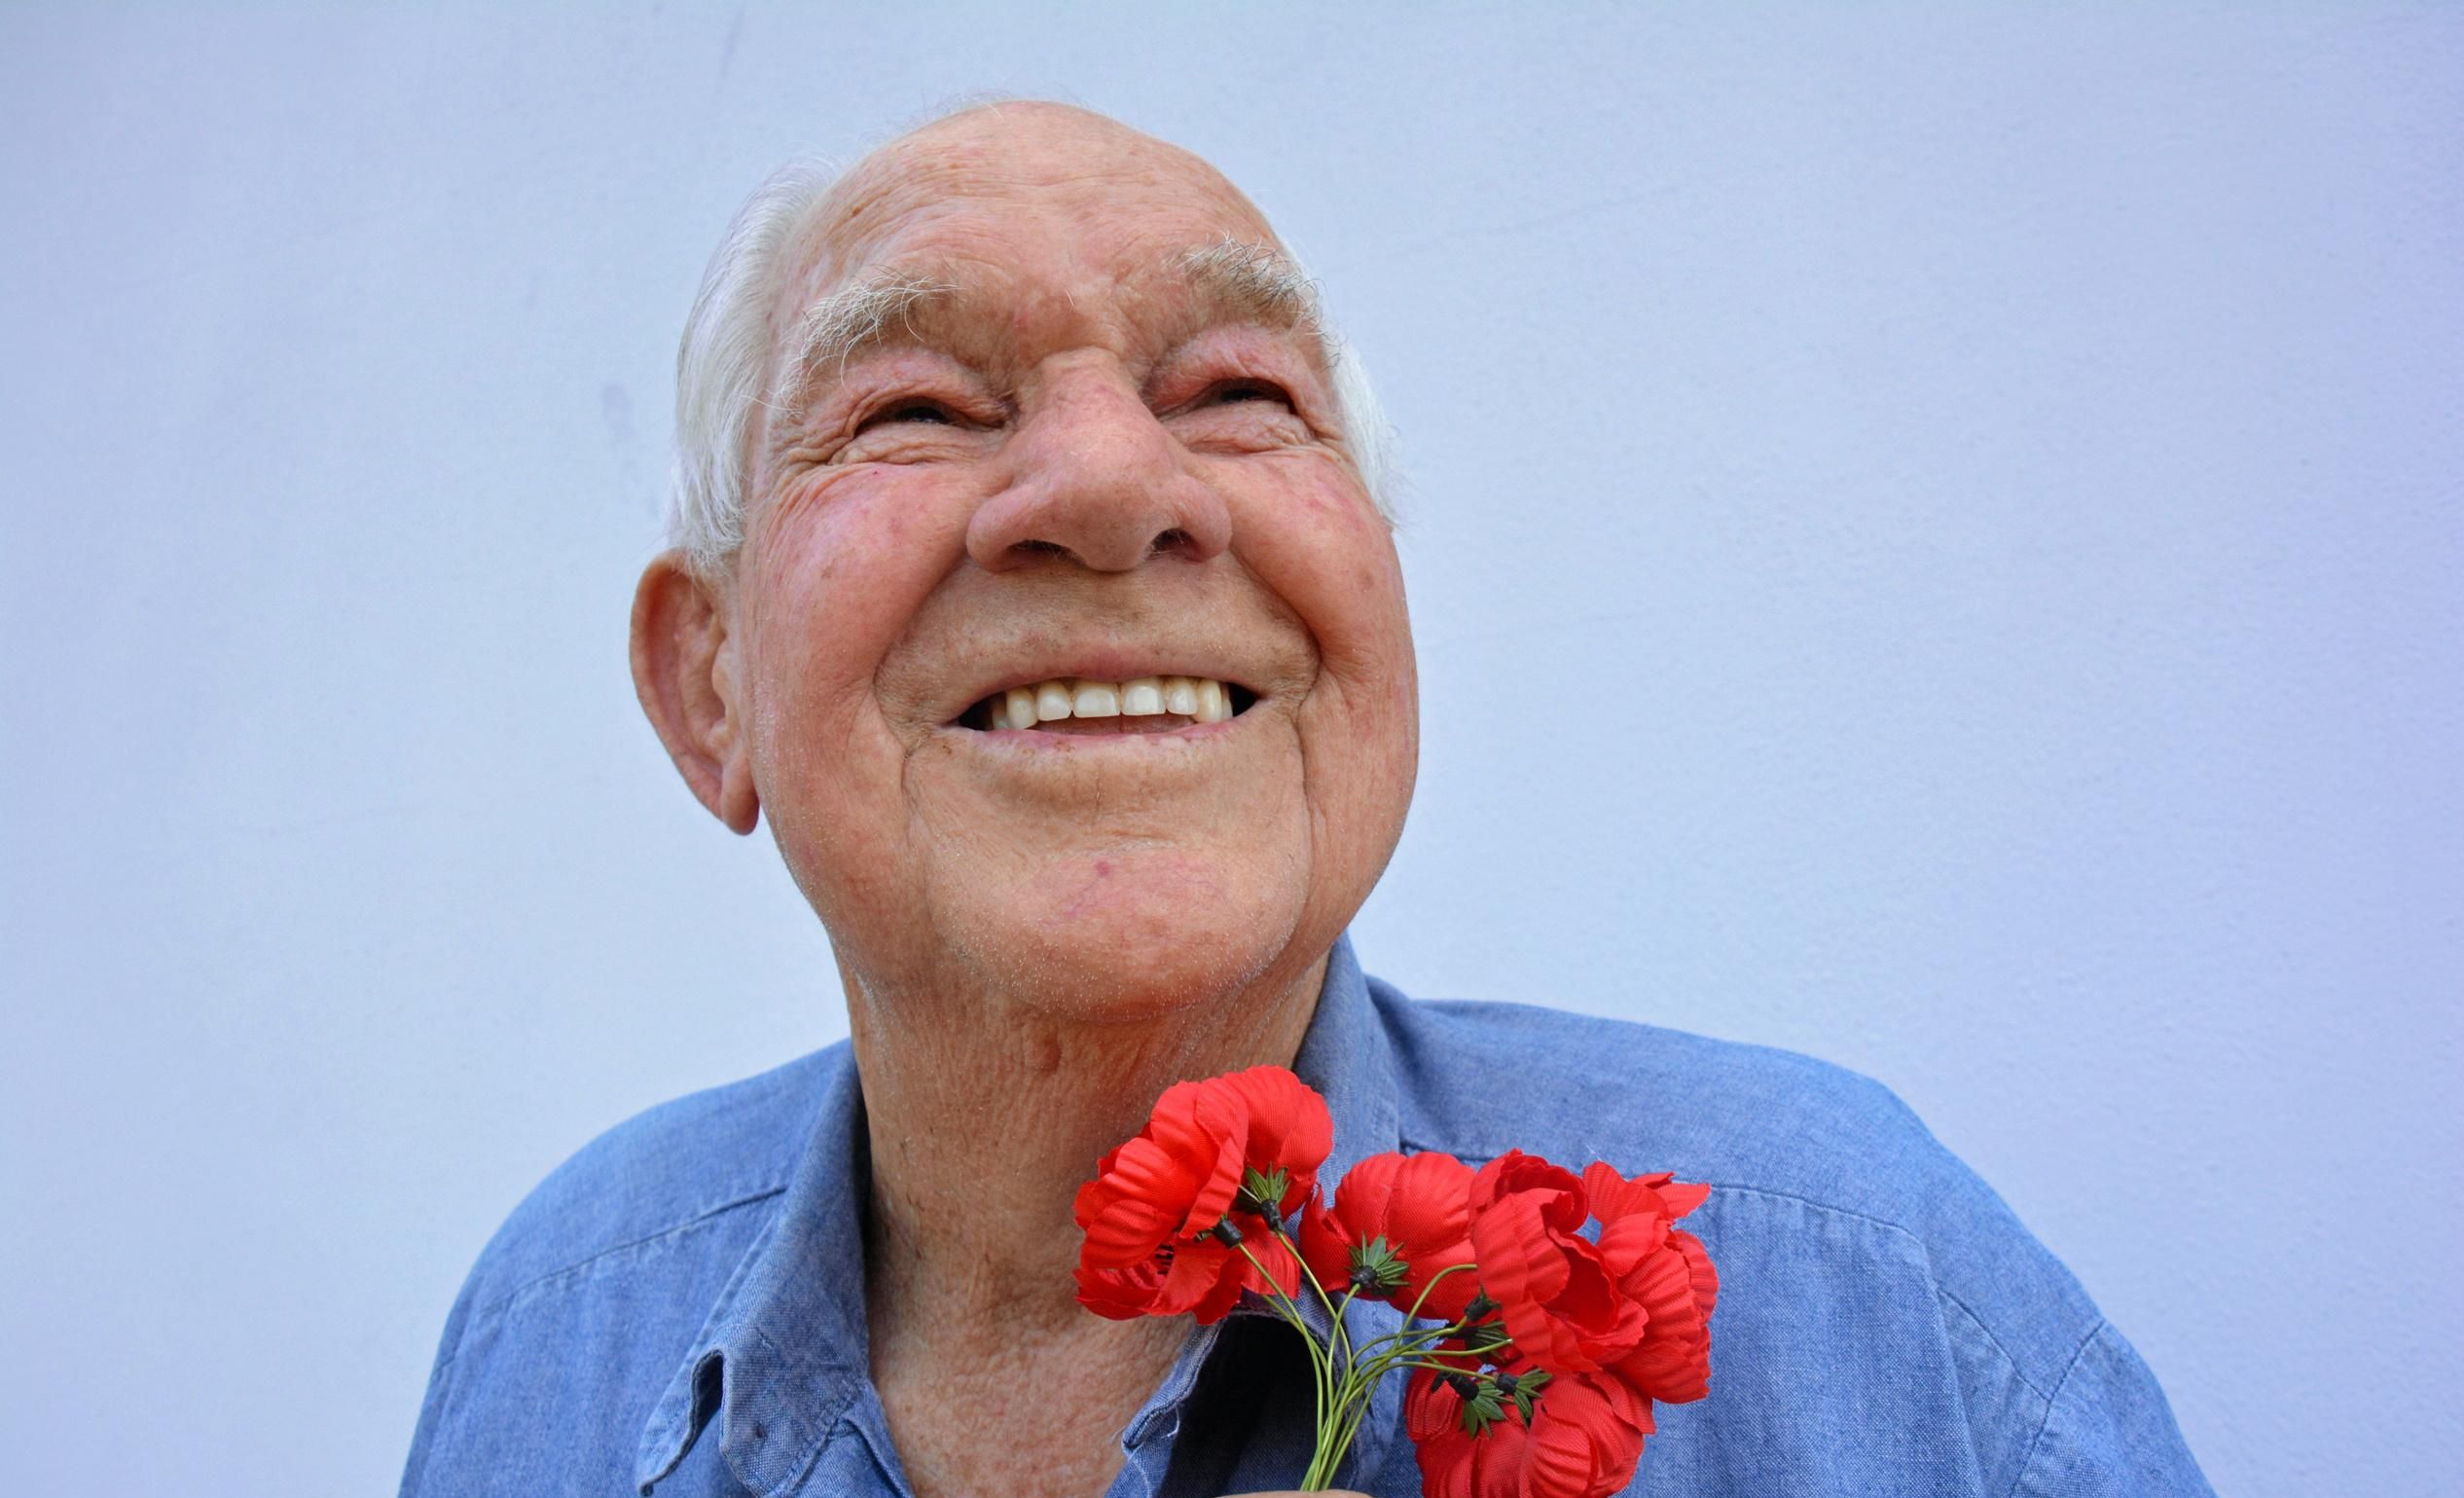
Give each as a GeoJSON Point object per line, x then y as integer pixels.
{"type": "Point", "coordinates": [1131, 935]}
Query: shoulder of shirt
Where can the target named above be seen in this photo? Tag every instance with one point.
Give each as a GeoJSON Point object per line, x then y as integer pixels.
{"type": "Point", "coordinates": [707, 1155]}
{"type": "Point", "coordinates": [1774, 1133]}
{"type": "Point", "coordinates": [1478, 1079]}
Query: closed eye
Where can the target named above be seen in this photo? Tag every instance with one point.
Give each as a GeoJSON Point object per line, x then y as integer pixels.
{"type": "Point", "coordinates": [930, 412]}
{"type": "Point", "coordinates": [1235, 391]}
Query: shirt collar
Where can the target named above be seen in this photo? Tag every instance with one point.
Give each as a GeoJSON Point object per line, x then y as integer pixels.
{"type": "Point", "coordinates": [784, 1350]}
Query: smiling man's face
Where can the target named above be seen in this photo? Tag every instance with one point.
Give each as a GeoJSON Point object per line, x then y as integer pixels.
{"type": "Point", "coordinates": [1055, 438]}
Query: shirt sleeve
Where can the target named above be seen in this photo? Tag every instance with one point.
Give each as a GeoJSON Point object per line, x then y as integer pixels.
{"type": "Point", "coordinates": [2108, 1432]}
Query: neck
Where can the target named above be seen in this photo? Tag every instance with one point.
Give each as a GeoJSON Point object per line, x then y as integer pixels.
{"type": "Point", "coordinates": [984, 1115]}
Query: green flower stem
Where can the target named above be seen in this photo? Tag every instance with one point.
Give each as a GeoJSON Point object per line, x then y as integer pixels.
{"type": "Point", "coordinates": [1394, 1363]}
{"type": "Point", "coordinates": [1400, 1346]}
{"type": "Point", "coordinates": [1332, 1390]}
{"type": "Point", "coordinates": [1341, 1332]}
{"type": "Point", "coordinates": [1317, 1355]}
{"type": "Point", "coordinates": [1421, 1335]}
{"type": "Point", "coordinates": [1414, 1313]}
{"type": "Point", "coordinates": [1335, 1427]}
{"type": "Point", "coordinates": [1341, 1389]}
{"type": "Point", "coordinates": [1359, 1393]}
{"type": "Point", "coordinates": [1359, 1396]}
{"type": "Point", "coordinates": [1347, 1375]}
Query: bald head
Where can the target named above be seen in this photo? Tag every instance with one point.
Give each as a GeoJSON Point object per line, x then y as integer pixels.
{"type": "Point", "coordinates": [1052, 161]}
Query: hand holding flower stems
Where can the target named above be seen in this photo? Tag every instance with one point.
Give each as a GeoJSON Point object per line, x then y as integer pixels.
{"type": "Point", "coordinates": [1545, 1350]}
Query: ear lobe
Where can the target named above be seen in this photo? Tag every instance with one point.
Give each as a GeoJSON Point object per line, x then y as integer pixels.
{"type": "Point", "coordinates": [681, 674]}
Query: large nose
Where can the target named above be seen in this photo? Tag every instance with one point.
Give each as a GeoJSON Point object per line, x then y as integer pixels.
{"type": "Point", "coordinates": [1099, 481]}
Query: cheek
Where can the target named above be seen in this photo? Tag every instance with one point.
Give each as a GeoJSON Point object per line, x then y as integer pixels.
{"type": "Point", "coordinates": [837, 575]}
{"type": "Point", "coordinates": [1321, 546]}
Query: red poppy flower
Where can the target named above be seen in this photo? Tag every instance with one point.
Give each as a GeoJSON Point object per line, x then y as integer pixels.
{"type": "Point", "coordinates": [1585, 1436]}
{"type": "Point", "coordinates": [1153, 1213]}
{"type": "Point", "coordinates": [1562, 1305]}
{"type": "Point", "coordinates": [1663, 1269]}
{"type": "Point", "coordinates": [1396, 1221]}
{"type": "Point", "coordinates": [1203, 1277]}
{"type": "Point", "coordinates": [1175, 1178]}
{"type": "Point", "coordinates": [1290, 1130]}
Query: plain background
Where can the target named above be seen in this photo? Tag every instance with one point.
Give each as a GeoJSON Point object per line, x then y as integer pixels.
{"type": "Point", "coordinates": [1934, 536]}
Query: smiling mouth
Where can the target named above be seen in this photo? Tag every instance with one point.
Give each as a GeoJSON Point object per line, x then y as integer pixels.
{"type": "Point", "coordinates": [1080, 705]}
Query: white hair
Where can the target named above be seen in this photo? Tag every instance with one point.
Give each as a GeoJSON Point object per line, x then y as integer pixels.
{"type": "Point", "coordinates": [725, 356]}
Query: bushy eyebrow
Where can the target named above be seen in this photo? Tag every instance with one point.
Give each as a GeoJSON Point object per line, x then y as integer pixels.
{"type": "Point", "coordinates": [845, 323]}
{"type": "Point", "coordinates": [1233, 282]}
{"type": "Point", "coordinates": [1257, 280]}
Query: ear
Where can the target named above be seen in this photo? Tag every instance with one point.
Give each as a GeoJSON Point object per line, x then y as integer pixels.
{"type": "Point", "coordinates": [684, 670]}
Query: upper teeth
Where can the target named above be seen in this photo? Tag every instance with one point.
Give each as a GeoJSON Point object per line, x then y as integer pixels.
{"type": "Point", "coordinates": [1201, 697]}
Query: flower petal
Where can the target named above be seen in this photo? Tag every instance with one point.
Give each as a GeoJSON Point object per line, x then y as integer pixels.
{"type": "Point", "coordinates": [1515, 1173]}
{"type": "Point", "coordinates": [1289, 1126]}
{"type": "Point", "coordinates": [1624, 1242]}
{"type": "Point", "coordinates": [1428, 1200]}
{"type": "Point", "coordinates": [1698, 1266]}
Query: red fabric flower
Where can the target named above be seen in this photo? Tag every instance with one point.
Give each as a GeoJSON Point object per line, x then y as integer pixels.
{"type": "Point", "coordinates": [1584, 1438]}
{"type": "Point", "coordinates": [1665, 1271]}
{"type": "Point", "coordinates": [1414, 1211]}
{"type": "Point", "coordinates": [1153, 1210]}
{"type": "Point", "coordinates": [1201, 1276]}
{"type": "Point", "coordinates": [1290, 1128]}
{"type": "Point", "coordinates": [1561, 1302]}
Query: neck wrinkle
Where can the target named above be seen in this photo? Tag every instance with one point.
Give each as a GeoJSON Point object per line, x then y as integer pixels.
{"type": "Point", "coordinates": [983, 1121]}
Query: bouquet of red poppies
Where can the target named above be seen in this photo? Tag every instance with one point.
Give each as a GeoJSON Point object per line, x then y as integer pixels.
{"type": "Point", "coordinates": [1534, 1350]}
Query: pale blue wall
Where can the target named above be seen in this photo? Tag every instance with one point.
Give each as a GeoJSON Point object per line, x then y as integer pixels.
{"type": "Point", "coordinates": [1935, 539]}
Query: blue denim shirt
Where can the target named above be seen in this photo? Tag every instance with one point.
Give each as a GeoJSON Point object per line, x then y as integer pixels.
{"type": "Point", "coordinates": [679, 1309]}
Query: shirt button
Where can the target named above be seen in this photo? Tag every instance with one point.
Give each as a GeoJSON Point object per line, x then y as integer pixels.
{"type": "Point", "coordinates": [761, 1431]}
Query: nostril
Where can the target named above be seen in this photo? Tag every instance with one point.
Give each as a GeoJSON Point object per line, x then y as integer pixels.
{"type": "Point", "coordinates": [1040, 549]}
{"type": "Point", "coordinates": [1174, 540]}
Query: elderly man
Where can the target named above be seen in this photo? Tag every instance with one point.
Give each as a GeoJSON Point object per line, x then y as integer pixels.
{"type": "Point", "coordinates": [1031, 575]}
